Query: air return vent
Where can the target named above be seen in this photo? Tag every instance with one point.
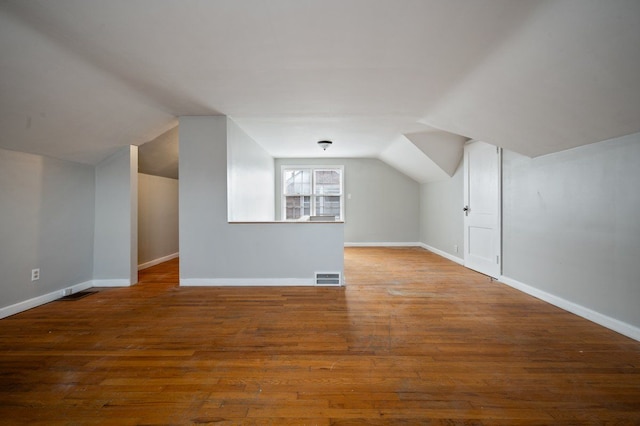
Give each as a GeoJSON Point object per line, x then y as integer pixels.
{"type": "Point", "coordinates": [328, 278]}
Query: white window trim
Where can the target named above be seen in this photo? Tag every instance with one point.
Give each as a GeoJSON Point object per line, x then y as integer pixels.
{"type": "Point", "coordinates": [312, 167]}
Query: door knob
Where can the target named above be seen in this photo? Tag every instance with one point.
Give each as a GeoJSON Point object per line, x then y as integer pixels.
{"type": "Point", "coordinates": [466, 210]}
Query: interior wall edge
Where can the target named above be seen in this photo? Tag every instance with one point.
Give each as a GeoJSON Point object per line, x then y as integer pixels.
{"type": "Point", "coordinates": [157, 261]}
{"type": "Point", "coordinates": [382, 244]}
{"type": "Point", "coordinates": [34, 302]}
{"type": "Point", "coordinates": [245, 282]}
{"type": "Point", "coordinates": [444, 254]}
{"type": "Point", "coordinates": [584, 312]}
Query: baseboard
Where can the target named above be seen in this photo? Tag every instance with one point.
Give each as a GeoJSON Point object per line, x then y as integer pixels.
{"type": "Point", "coordinates": [382, 244]}
{"type": "Point", "coordinates": [245, 282]}
{"type": "Point", "coordinates": [112, 283]}
{"type": "Point", "coordinates": [442, 253]}
{"type": "Point", "coordinates": [41, 300]}
{"type": "Point", "coordinates": [157, 261]}
{"type": "Point", "coordinates": [596, 317]}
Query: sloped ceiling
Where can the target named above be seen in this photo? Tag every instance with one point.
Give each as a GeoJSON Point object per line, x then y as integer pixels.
{"type": "Point", "coordinates": [407, 157]}
{"type": "Point", "coordinates": [160, 156]}
{"type": "Point", "coordinates": [81, 78]}
{"type": "Point", "coordinates": [445, 149]}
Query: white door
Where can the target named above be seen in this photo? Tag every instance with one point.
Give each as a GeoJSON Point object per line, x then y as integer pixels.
{"type": "Point", "coordinates": [482, 208]}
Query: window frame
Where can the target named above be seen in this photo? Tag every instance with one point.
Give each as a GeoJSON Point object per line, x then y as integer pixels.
{"type": "Point", "coordinates": [312, 195]}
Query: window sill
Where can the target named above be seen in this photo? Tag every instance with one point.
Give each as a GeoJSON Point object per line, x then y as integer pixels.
{"type": "Point", "coordinates": [289, 221]}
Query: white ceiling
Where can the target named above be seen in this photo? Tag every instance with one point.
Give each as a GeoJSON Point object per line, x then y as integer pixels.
{"type": "Point", "coordinates": [80, 78]}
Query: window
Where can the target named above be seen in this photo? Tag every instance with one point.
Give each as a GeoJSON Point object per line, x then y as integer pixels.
{"type": "Point", "coordinates": [312, 191]}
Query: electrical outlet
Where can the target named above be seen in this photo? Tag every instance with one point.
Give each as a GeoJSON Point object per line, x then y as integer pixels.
{"type": "Point", "coordinates": [455, 248]}
{"type": "Point", "coordinates": [35, 274]}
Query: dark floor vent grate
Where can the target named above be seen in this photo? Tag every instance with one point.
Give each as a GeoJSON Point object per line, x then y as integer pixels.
{"type": "Point", "coordinates": [328, 278]}
{"type": "Point", "coordinates": [78, 295]}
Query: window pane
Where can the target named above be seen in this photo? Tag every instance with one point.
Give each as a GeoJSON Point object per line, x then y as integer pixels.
{"type": "Point", "coordinates": [327, 182]}
{"type": "Point", "coordinates": [328, 206]}
{"type": "Point", "coordinates": [297, 181]}
{"type": "Point", "coordinates": [297, 206]}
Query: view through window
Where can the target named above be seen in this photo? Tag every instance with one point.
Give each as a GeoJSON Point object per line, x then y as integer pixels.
{"type": "Point", "coordinates": [309, 192]}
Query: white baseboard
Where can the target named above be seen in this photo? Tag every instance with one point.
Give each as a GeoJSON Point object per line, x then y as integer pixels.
{"type": "Point", "coordinates": [443, 254]}
{"type": "Point", "coordinates": [601, 319]}
{"type": "Point", "coordinates": [41, 300]}
{"type": "Point", "coordinates": [157, 261]}
{"type": "Point", "coordinates": [112, 283]}
{"type": "Point", "coordinates": [245, 282]}
{"type": "Point", "coordinates": [382, 244]}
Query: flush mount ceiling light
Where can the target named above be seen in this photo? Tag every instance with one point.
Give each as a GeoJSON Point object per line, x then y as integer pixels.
{"type": "Point", "coordinates": [324, 144]}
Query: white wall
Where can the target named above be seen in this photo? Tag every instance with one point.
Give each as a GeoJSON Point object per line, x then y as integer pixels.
{"type": "Point", "coordinates": [384, 203]}
{"type": "Point", "coordinates": [215, 252]}
{"type": "Point", "coordinates": [47, 217]}
{"type": "Point", "coordinates": [250, 177]}
{"type": "Point", "coordinates": [157, 219]}
{"type": "Point", "coordinates": [116, 219]}
{"type": "Point", "coordinates": [441, 216]}
{"type": "Point", "coordinates": [571, 228]}
{"type": "Point", "coordinates": [571, 225]}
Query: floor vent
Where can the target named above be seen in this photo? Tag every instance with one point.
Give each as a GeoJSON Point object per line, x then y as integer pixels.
{"type": "Point", "coordinates": [78, 295]}
{"type": "Point", "coordinates": [328, 278]}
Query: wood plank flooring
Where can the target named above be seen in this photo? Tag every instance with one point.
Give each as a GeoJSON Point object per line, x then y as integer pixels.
{"type": "Point", "coordinates": [412, 339]}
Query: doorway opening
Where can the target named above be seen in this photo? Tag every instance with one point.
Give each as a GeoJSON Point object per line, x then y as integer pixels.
{"type": "Point", "coordinates": [158, 178]}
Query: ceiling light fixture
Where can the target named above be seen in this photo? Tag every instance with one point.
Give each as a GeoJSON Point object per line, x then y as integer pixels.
{"type": "Point", "coordinates": [324, 144]}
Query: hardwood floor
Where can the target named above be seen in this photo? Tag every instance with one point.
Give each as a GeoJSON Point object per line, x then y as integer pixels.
{"type": "Point", "coordinates": [412, 339]}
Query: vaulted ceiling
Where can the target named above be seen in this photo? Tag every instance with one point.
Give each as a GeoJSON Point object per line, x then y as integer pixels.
{"type": "Point", "coordinates": [407, 81]}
